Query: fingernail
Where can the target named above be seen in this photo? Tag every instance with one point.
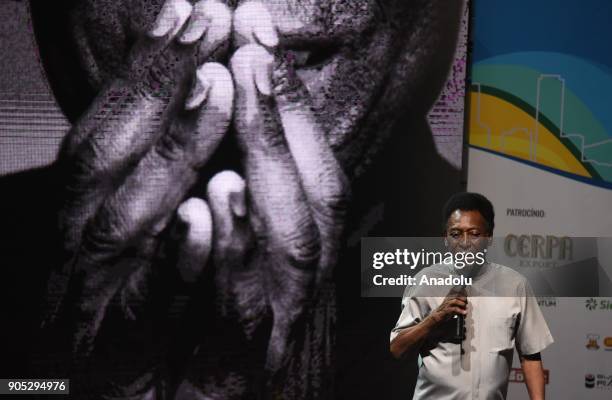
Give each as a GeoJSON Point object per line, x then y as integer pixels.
{"type": "Point", "coordinates": [199, 93]}
{"type": "Point", "coordinates": [194, 31]}
{"type": "Point", "coordinates": [199, 22]}
{"type": "Point", "coordinates": [253, 24]}
{"type": "Point", "coordinates": [183, 10]}
{"type": "Point", "coordinates": [171, 18]}
{"type": "Point", "coordinates": [196, 240]}
{"type": "Point", "coordinates": [216, 34]}
{"type": "Point", "coordinates": [190, 209]}
{"type": "Point", "coordinates": [160, 30]}
{"type": "Point", "coordinates": [238, 204]}
{"type": "Point", "coordinates": [266, 34]}
{"type": "Point", "coordinates": [263, 75]}
{"type": "Point", "coordinates": [163, 24]}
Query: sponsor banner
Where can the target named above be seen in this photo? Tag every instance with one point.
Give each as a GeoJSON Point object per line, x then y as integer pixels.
{"type": "Point", "coordinates": [540, 148]}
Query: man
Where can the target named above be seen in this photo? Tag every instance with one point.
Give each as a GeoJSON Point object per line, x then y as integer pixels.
{"type": "Point", "coordinates": [230, 129]}
{"type": "Point", "coordinates": [501, 314]}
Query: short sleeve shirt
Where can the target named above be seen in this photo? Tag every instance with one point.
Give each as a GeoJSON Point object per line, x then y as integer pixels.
{"type": "Point", "coordinates": [495, 325]}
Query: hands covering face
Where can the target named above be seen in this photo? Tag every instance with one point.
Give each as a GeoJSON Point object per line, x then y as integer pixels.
{"type": "Point", "coordinates": [133, 158]}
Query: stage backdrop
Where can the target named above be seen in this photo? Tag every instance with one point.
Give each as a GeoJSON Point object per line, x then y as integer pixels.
{"type": "Point", "coordinates": [425, 152]}
{"type": "Point", "coordinates": [540, 147]}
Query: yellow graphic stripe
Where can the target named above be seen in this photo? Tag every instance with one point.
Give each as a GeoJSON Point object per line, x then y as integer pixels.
{"type": "Point", "coordinates": [501, 126]}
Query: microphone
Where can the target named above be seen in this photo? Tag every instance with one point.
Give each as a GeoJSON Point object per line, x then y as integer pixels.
{"type": "Point", "coordinates": [459, 331]}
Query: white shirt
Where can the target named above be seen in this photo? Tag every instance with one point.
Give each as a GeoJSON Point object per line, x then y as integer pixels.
{"type": "Point", "coordinates": [495, 325]}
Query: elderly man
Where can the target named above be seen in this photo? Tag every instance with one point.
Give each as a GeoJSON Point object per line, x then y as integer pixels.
{"type": "Point", "coordinates": [501, 314]}
{"type": "Point", "coordinates": [227, 134]}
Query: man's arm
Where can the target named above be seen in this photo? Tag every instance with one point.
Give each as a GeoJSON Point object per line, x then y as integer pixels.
{"type": "Point", "coordinates": [534, 375]}
{"type": "Point", "coordinates": [410, 339]}
{"type": "Point", "coordinates": [532, 337]}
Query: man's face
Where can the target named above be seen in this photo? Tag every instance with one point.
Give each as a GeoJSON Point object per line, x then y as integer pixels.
{"type": "Point", "coordinates": [467, 232]}
{"type": "Point", "coordinates": [356, 59]}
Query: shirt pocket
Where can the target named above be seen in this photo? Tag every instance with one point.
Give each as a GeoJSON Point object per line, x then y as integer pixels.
{"type": "Point", "coordinates": [500, 333]}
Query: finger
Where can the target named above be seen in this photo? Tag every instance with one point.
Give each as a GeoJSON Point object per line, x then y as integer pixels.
{"type": "Point", "coordinates": [322, 177]}
{"type": "Point", "coordinates": [119, 128]}
{"type": "Point", "coordinates": [147, 57]}
{"type": "Point", "coordinates": [460, 298]}
{"type": "Point", "coordinates": [458, 302]}
{"type": "Point", "coordinates": [238, 285]}
{"type": "Point", "coordinates": [161, 179]}
{"type": "Point", "coordinates": [190, 244]}
{"type": "Point", "coordinates": [199, 92]}
{"type": "Point", "coordinates": [279, 208]}
{"type": "Point", "coordinates": [211, 19]}
{"type": "Point", "coordinates": [171, 18]}
{"type": "Point", "coordinates": [277, 198]}
{"type": "Point", "coordinates": [226, 193]}
{"type": "Point", "coordinates": [98, 278]}
{"type": "Point", "coordinates": [459, 311]}
{"type": "Point", "coordinates": [81, 307]}
{"type": "Point", "coordinates": [114, 134]}
{"type": "Point", "coordinates": [458, 307]}
{"type": "Point", "coordinates": [149, 72]}
{"type": "Point", "coordinates": [253, 24]}
{"type": "Point", "coordinates": [141, 207]}
{"type": "Point", "coordinates": [196, 244]}
{"type": "Point", "coordinates": [216, 109]}
{"type": "Point", "coordinates": [223, 88]}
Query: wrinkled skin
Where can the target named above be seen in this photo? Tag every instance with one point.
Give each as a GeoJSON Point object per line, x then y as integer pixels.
{"type": "Point", "coordinates": [361, 60]}
{"type": "Point", "coordinates": [318, 85]}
